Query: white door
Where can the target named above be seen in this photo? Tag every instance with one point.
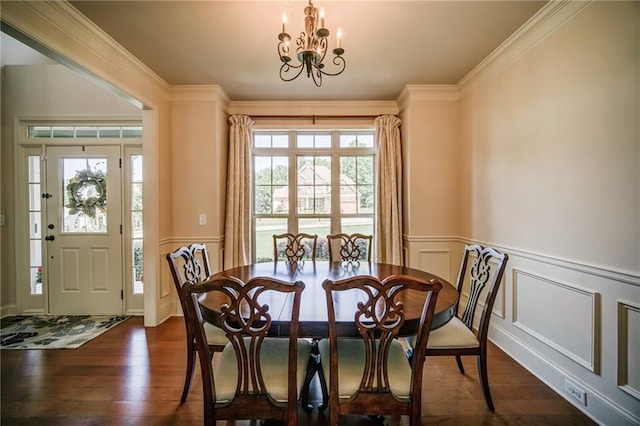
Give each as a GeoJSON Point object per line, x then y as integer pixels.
{"type": "Point", "coordinates": [83, 230]}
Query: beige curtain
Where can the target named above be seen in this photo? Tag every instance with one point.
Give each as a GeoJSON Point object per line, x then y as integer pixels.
{"type": "Point", "coordinates": [237, 238]}
{"type": "Point", "coordinates": [389, 187]}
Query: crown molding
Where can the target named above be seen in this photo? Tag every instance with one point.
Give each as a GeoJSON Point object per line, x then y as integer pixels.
{"type": "Point", "coordinates": [345, 108]}
{"type": "Point", "coordinates": [545, 22]}
{"type": "Point", "coordinates": [58, 30]}
{"type": "Point", "coordinates": [427, 93]}
{"type": "Point", "coordinates": [199, 93]}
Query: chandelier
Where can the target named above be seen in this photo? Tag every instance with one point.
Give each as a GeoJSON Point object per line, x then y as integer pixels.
{"type": "Point", "coordinates": [311, 48]}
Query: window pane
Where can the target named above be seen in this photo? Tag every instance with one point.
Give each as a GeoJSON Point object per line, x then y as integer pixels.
{"type": "Point", "coordinates": [263, 200]}
{"type": "Point", "coordinates": [320, 227]}
{"type": "Point", "coordinates": [356, 141]}
{"type": "Point", "coordinates": [305, 141]}
{"type": "Point", "coordinates": [357, 225]}
{"type": "Point", "coordinates": [313, 141]}
{"type": "Point", "coordinates": [85, 194]}
{"type": "Point", "coordinates": [364, 170]}
{"type": "Point", "coordinates": [365, 199]}
{"type": "Point", "coordinates": [137, 266]}
{"type": "Point", "coordinates": [136, 196]}
{"type": "Point", "coordinates": [137, 224]}
{"type": "Point", "coordinates": [34, 169]}
{"type": "Point", "coordinates": [109, 132]}
{"type": "Point", "coordinates": [280, 141]}
{"type": "Point", "coordinates": [265, 229]}
{"type": "Point", "coordinates": [34, 196]}
{"type": "Point", "coordinates": [323, 141]}
{"type": "Point", "coordinates": [35, 227]}
{"type": "Point", "coordinates": [271, 190]}
{"type": "Point", "coordinates": [35, 252]}
{"type": "Point", "coordinates": [86, 132]}
{"type": "Point", "coordinates": [314, 184]}
{"type": "Point", "coordinates": [62, 131]}
{"type": "Point", "coordinates": [39, 131]}
{"type": "Point", "coordinates": [136, 168]}
{"type": "Point", "coordinates": [132, 132]}
{"type": "Point", "coordinates": [262, 141]}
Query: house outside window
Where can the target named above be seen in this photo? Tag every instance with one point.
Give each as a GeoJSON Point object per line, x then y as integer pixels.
{"type": "Point", "coordinates": [313, 182]}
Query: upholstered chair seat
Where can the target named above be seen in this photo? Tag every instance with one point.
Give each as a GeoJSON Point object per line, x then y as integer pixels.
{"type": "Point", "coordinates": [275, 369]}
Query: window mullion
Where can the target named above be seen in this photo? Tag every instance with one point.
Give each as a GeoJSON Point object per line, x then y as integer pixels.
{"type": "Point", "coordinates": [293, 185]}
{"type": "Point", "coordinates": [335, 184]}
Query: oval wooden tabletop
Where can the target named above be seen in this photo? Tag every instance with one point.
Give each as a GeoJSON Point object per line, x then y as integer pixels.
{"type": "Point", "coordinates": [313, 310]}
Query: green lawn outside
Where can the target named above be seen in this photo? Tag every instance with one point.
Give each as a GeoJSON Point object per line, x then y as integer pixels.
{"type": "Point", "coordinates": [264, 238]}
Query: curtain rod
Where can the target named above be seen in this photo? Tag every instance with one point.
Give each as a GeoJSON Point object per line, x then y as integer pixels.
{"type": "Point", "coordinates": [313, 117]}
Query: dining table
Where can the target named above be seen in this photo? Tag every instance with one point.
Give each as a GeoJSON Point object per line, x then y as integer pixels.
{"type": "Point", "coordinates": [313, 318]}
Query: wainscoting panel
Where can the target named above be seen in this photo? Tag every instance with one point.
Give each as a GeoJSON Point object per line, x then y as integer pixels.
{"type": "Point", "coordinates": [437, 262]}
{"type": "Point", "coordinates": [573, 307]}
{"type": "Point", "coordinates": [629, 347]}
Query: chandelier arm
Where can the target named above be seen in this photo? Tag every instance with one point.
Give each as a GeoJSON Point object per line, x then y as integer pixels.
{"type": "Point", "coordinates": [339, 61]}
{"type": "Point", "coordinates": [284, 71]}
{"type": "Point", "coordinates": [318, 81]}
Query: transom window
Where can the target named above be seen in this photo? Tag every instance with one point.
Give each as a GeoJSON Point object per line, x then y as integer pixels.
{"type": "Point", "coordinates": [313, 182]}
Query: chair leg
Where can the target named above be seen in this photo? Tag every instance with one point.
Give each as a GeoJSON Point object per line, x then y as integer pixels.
{"type": "Point", "coordinates": [323, 387]}
{"type": "Point", "coordinates": [460, 365]}
{"type": "Point", "coordinates": [191, 364]}
{"type": "Point", "coordinates": [308, 376]}
{"type": "Point", "coordinates": [484, 381]}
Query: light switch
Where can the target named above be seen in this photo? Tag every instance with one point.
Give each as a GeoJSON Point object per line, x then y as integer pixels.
{"type": "Point", "coordinates": [203, 219]}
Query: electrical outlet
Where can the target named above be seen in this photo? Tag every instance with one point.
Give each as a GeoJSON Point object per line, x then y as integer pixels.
{"type": "Point", "coordinates": [578, 394]}
{"type": "Point", "coordinates": [203, 219]}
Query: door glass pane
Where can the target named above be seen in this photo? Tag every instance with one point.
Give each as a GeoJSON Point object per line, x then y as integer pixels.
{"type": "Point", "coordinates": [85, 195]}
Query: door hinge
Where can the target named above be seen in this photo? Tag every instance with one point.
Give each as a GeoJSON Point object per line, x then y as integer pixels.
{"type": "Point", "coordinates": [121, 294]}
{"type": "Point", "coordinates": [120, 162]}
{"type": "Point", "coordinates": [120, 229]}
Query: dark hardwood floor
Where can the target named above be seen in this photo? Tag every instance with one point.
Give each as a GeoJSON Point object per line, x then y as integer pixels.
{"type": "Point", "coordinates": [133, 375]}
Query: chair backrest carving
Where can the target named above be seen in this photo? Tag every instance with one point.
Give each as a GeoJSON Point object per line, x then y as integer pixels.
{"type": "Point", "coordinates": [246, 320]}
{"type": "Point", "coordinates": [294, 247]}
{"type": "Point", "coordinates": [379, 317]}
{"type": "Point", "coordinates": [353, 248]}
{"type": "Point", "coordinates": [484, 268]}
{"type": "Point", "coordinates": [189, 265]}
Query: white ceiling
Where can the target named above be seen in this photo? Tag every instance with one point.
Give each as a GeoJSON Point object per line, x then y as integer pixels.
{"type": "Point", "coordinates": [388, 44]}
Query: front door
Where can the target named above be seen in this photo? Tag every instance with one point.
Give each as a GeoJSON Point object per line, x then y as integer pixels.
{"type": "Point", "coordinates": [83, 230]}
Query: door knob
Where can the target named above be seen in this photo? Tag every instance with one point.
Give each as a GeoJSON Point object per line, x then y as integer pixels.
{"type": "Point", "coordinates": [50, 226]}
{"type": "Point", "coordinates": [49, 238]}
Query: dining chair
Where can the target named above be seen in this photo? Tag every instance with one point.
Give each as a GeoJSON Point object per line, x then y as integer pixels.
{"type": "Point", "coordinates": [457, 337]}
{"type": "Point", "coordinates": [353, 248]}
{"type": "Point", "coordinates": [370, 375]}
{"type": "Point", "coordinates": [190, 265]}
{"type": "Point", "coordinates": [255, 376]}
{"type": "Point", "coordinates": [294, 247]}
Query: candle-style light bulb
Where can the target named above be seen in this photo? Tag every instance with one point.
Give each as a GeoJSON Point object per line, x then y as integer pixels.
{"type": "Point", "coordinates": [339, 36]}
{"type": "Point", "coordinates": [284, 22]}
{"type": "Point", "coordinates": [321, 17]}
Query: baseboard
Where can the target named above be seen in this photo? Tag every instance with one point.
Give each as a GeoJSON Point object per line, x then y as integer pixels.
{"type": "Point", "coordinates": [8, 310]}
{"type": "Point", "coordinates": [599, 408]}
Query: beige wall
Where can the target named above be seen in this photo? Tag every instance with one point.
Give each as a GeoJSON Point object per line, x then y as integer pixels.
{"type": "Point", "coordinates": [430, 158]}
{"type": "Point", "coordinates": [550, 173]}
{"type": "Point", "coordinates": [551, 143]}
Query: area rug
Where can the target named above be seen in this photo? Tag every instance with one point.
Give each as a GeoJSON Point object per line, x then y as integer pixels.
{"type": "Point", "coordinates": [56, 332]}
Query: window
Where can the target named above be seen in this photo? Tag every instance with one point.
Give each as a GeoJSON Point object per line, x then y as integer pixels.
{"type": "Point", "coordinates": [313, 182]}
{"type": "Point", "coordinates": [136, 224]}
{"type": "Point", "coordinates": [35, 225]}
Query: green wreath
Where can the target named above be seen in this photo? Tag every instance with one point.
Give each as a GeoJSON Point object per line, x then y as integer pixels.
{"type": "Point", "coordinates": [87, 193]}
